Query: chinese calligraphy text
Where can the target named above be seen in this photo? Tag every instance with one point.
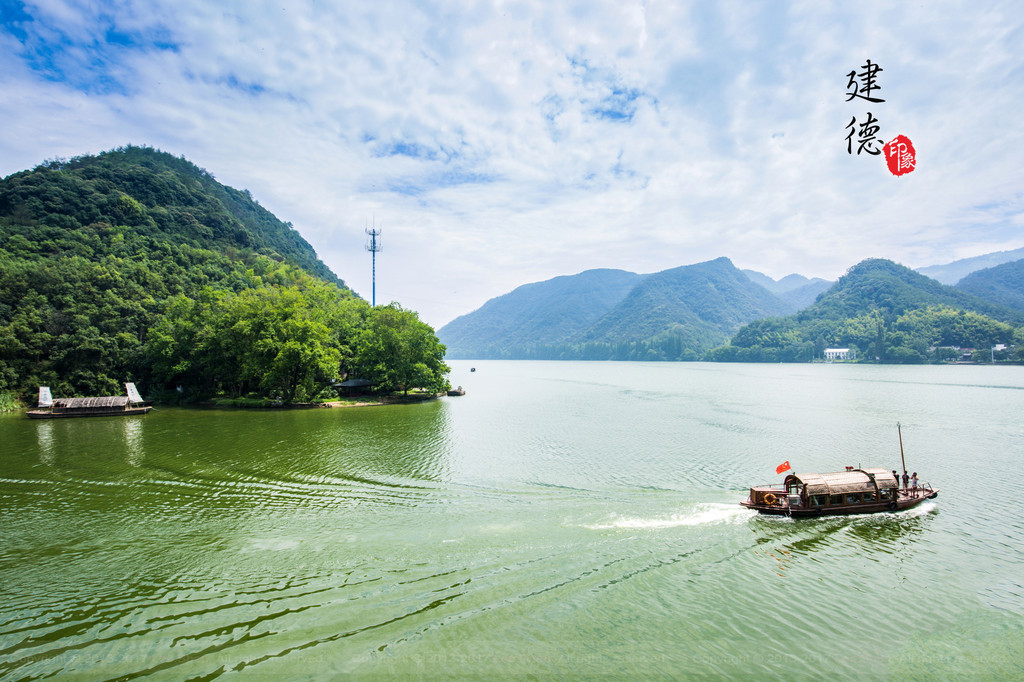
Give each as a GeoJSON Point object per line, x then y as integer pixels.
{"type": "Point", "coordinates": [866, 140]}
{"type": "Point", "coordinates": [864, 82]}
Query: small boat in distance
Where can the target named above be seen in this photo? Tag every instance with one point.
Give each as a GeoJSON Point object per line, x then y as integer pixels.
{"type": "Point", "coordinates": [854, 491]}
{"type": "Point", "coordinates": [100, 406]}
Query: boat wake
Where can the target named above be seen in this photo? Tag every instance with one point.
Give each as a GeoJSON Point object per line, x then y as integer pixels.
{"type": "Point", "coordinates": [701, 515]}
{"type": "Point", "coordinates": [922, 509]}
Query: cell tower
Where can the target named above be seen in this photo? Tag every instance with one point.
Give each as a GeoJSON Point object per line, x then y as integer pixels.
{"type": "Point", "coordinates": [373, 246]}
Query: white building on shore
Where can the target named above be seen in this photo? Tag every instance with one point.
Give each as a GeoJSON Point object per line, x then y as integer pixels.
{"type": "Point", "coordinates": [834, 354]}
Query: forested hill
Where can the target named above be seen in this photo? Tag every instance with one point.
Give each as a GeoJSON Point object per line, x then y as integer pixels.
{"type": "Point", "coordinates": [1003, 284]}
{"type": "Point", "coordinates": [135, 265]}
{"type": "Point", "coordinates": [699, 303]}
{"type": "Point", "coordinates": [537, 314]}
{"type": "Point", "coordinates": [675, 314]}
{"type": "Point", "coordinates": [885, 312]}
{"type": "Point", "coordinates": [893, 290]}
{"type": "Point", "coordinates": [158, 196]}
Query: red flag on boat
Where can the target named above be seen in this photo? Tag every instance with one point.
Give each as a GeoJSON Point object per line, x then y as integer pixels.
{"type": "Point", "coordinates": [782, 467]}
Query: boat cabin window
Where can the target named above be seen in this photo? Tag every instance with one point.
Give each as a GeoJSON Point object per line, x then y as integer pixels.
{"type": "Point", "coordinates": [853, 498]}
{"type": "Point", "coordinates": [884, 494]}
{"type": "Point", "coordinates": [836, 499]}
{"type": "Point", "coordinates": [818, 500]}
{"type": "Point", "coordinates": [869, 496]}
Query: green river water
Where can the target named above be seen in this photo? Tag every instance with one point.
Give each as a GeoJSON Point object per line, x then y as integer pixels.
{"type": "Point", "coordinates": [560, 520]}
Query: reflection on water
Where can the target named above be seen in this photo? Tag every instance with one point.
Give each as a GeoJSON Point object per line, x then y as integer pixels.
{"type": "Point", "coordinates": [861, 538]}
{"type": "Point", "coordinates": [862, 533]}
{"type": "Point", "coordinates": [44, 433]}
{"type": "Point", "coordinates": [133, 440]}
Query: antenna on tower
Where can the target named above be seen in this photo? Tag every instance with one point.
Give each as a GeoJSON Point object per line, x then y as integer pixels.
{"type": "Point", "coordinates": [373, 246]}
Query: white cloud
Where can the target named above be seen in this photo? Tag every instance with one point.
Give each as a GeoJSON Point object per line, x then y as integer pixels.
{"type": "Point", "coordinates": [506, 142]}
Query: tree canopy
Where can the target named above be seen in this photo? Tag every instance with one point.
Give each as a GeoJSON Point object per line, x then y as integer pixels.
{"type": "Point", "coordinates": [291, 342]}
{"type": "Point", "coordinates": [397, 351]}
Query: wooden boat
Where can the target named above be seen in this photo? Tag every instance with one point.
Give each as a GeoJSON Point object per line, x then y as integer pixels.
{"type": "Point", "coordinates": [98, 406]}
{"type": "Point", "coordinates": [854, 491]}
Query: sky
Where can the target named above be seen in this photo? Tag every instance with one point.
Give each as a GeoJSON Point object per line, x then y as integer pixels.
{"type": "Point", "coordinates": [501, 143]}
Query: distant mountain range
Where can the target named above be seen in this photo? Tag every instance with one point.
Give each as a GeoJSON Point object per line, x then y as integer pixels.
{"type": "Point", "coordinates": [682, 313]}
{"type": "Point", "coordinates": [951, 273]}
{"type": "Point", "coordinates": [538, 314]}
{"type": "Point", "coordinates": [614, 314]}
{"type": "Point", "coordinates": [706, 301]}
{"type": "Point", "coordinates": [796, 289]}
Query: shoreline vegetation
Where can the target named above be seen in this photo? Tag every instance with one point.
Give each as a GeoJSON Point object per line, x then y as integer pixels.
{"type": "Point", "coordinates": [10, 403]}
{"type": "Point", "coordinates": [354, 401]}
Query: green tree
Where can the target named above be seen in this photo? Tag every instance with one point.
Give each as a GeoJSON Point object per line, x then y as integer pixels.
{"type": "Point", "coordinates": [271, 340]}
{"type": "Point", "coordinates": [398, 352]}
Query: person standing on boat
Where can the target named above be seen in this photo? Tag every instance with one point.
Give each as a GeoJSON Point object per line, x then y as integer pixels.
{"type": "Point", "coordinates": [913, 483]}
{"type": "Point", "coordinates": [906, 481]}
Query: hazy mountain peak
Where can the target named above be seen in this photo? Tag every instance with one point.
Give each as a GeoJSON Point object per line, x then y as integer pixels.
{"type": "Point", "coordinates": [951, 273]}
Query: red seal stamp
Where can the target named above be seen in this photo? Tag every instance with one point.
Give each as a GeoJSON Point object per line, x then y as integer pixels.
{"type": "Point", "coordinates": [900, 155]}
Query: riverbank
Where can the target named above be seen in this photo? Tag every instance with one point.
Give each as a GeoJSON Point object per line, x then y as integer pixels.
{"type": "Point", "coordinates": [368, 401]}
{"type": "Point", "coordinates": [15, 406]}
{"type": "Point", "coordinates": [356, 401]}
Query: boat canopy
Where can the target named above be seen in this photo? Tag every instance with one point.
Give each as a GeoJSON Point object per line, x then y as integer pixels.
{"type": "Point", "coordinates": [133, 393]}
{"type": "Point", "coordinates": [86, 403]}
{"type": "Point", "coordinates": [853, 481]}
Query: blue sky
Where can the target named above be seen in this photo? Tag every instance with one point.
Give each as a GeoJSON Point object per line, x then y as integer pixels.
{"type": "Point", "coordinates": [500, 143]}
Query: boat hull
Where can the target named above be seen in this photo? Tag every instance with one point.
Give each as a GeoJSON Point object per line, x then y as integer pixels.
{"type": "Point", "coordinates": [801, 512]}
{"type": "Point", "coordinates": [47, 414]}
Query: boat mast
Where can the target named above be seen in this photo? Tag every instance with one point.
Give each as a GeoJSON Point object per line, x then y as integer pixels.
{"type": "Point", "coordinates": [902, 458]}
